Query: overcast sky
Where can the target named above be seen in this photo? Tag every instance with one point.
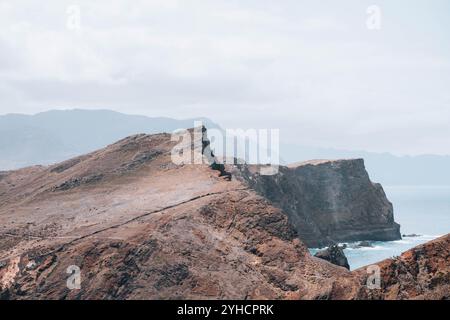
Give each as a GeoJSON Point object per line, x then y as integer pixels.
{"type": "Point", "coordinates": [316, 71]}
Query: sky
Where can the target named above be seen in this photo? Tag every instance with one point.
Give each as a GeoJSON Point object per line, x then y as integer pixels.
{"type": "Point", "coordinates": [351, 74]}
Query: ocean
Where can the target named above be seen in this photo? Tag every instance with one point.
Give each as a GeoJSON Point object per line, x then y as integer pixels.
{"type": "Point", "coordinates": [420, 210]}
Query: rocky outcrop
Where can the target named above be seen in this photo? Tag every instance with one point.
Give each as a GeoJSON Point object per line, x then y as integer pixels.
{"type": "Point", "coordinates": [412, 235]}
{"type": "Point", "coordinates": [328, 201]}
{"type": "Point", "coordinates": [335, 255]}
{"type": "Point", "coordinates": [150, 230]}
{"type": "Point", "coordinates": [159, 230]}
{"type": "Point", "coordinates": [364, 244]}
{"type": "Point", "coordinates": [420, 273]}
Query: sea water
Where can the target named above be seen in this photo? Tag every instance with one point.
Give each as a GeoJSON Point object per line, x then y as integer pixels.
{"type": "Point", "coordinates": [420, 210]}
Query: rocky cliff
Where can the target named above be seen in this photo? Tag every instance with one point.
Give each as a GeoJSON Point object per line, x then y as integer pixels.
{"type": "Point", "coordinates": [138, 226]}
{"type": "Point", "coordinates": [328, 201]}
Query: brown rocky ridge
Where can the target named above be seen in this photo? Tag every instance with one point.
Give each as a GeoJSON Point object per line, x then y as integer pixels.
{"type": "Point", "coordinates": [141, 227]}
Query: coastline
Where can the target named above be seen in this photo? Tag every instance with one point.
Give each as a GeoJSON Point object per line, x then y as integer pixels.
{"type": "Point", "coordinates": [362, 256]}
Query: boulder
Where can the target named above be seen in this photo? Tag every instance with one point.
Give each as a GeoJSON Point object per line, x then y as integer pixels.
{"type": "Point", "coordinates": [366, 244]}
{"type": "Point", "coordinates": [412, 235]}
{"type": "Point", "coordinates": [334, 254]}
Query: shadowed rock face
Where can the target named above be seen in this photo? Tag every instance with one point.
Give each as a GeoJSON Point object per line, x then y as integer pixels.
{"type": "Point", "coordinates": [328, 201]}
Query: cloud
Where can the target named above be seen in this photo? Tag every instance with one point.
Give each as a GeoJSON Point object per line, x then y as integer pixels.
{"type": "Point", "coordinates": [313, 70]}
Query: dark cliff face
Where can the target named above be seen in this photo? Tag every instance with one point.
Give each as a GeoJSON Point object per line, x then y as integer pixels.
{"type": "Point", "coordinates": [328, 201]}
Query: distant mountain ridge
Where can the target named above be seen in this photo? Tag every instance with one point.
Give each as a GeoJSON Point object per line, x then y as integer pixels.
{"type": "Point", "coordinates": [385, 168]}
{"type": "Point", "coordinates": [57, 135]}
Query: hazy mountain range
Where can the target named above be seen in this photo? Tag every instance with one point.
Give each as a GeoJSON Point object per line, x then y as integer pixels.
{"type": "Point", "coordinates": [388, 169]}
{"type": "Point", "coordinates": [54, 136]}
